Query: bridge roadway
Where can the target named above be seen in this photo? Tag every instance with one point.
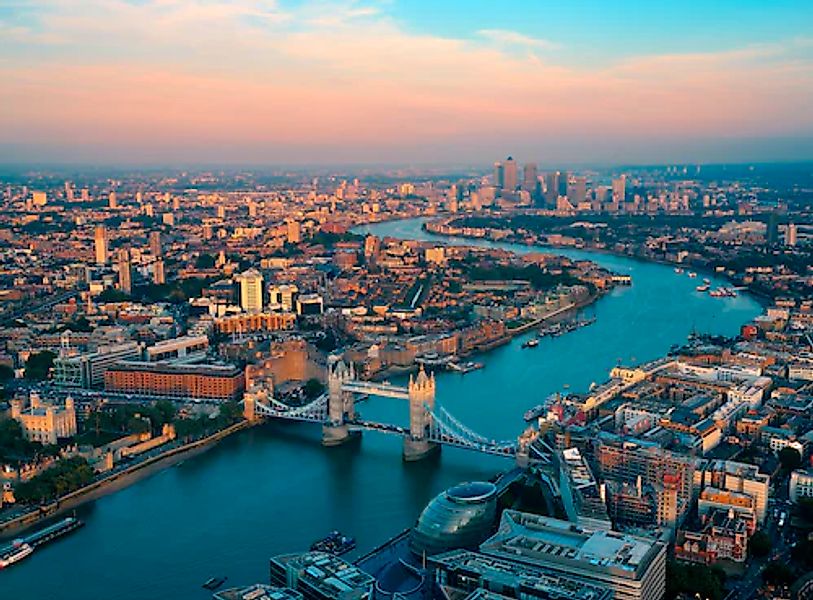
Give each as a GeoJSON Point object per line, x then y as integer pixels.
{"type": "Point", "coordinates": [375, 389]}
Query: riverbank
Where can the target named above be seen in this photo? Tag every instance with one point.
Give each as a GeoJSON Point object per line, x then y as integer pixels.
{"type": "Point", "coordinates": [115, 481]}
{"type": "Point", "coordinates": [762, 298]}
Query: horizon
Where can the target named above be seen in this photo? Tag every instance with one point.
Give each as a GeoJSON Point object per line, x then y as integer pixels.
{"type": "Point", "coordinates": [197, 82]}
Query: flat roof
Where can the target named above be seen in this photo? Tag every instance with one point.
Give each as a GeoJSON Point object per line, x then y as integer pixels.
{"type": "Point", "coordinates": [176, 369]}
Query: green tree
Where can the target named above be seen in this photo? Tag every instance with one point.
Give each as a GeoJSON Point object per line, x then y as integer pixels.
{"type": "Point", "coordinates": [777, 573]}
{"type": "Point", "coordinates": [205, 261]}
{"type": "Point", "coordinates": [38, 365]}
{"type": "Point", "coordinates": [790, 458]}
{"type": "Point", "coordinates": [693, 579]}
{"type": "Point", "coordinates": [313, 388]}
{"type": "Point", "coordinates": [6, 373]}
{"type": "Point", "coordinates": [760, 544]}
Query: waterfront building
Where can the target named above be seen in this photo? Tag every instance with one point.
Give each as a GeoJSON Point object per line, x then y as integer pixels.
{"type": "Point", "coordinates": [460, 517]}
{"type": "Point", "coordinates": [87, 370]}
{"type": "Point", "coordinates": [45, 422]}
{"type": "Point", "coordinates": [633, 568]}
{"type": "Point", "coordinates": [100, 241]}
{"type": "Point", "coordinates": [467, 572]}
{"type": "Point", "coordinates": [321, 576]}
{"type": "Point", "coordinates": [215, 382]}
{"type": "Point", "coordinates": [801, 484]}
{"type": "Point", "coordinates": [251, 291]}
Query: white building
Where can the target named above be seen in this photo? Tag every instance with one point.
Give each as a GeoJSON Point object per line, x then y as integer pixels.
{"type": "Point", "coordinates": [251, 291]}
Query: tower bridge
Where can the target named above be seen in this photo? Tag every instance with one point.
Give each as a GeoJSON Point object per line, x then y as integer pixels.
{"type": "Point", "coordinates": [430, 427]}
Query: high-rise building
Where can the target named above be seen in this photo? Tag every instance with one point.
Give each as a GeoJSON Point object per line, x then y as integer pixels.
{"type": "Point", "coordinates": [772, 229]}
{"type": "Point", "coordinates": [530, 177]}
{"type": "Point", "coordinates": [499, 175]}
{"type": "Point", "coordinates": [577, 190]}
{"type": "Point", "coordinates": [620, 188]}
{"type": "Point", "coordinates": [251, 291]}
{"type": "Point", "coordinates": [552, 188]}
{"type": "Point", "coordinates": [125, 272]}
{"type": "Point", "coordinates": [511, 177]}
{"type": "Point", "coordinates": [158, 276]}
{"type": "Point", "coordinates": [791, 234]}
{"type": "Point", "coordinates": [112, 200]}
{"type": "Point", "coordinates": [155, 243]}
{"type": "Point", "coordinates": [101, 245]}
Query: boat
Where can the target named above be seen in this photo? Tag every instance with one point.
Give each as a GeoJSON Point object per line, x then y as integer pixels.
{"type": "Point", "coordinates": [706, 280]}
{"type": "Point", "coordinates": [534, 413]}
{"type": "Point", "coordinates": [214, 582]}
{"type": "Point", "coordinates": [532, 343]}
{"type": "Point", "coordinates": [702, 288]}
{"type": "Point", "coordinates": [678, 270]}
{"type": "Point", "coordinates": [18, 551]}
{"type": "Point", "coordinates": [718, 293]}
{"type": "Point", "coordinates": [334, 543]}
{"type": "Point", "coordinates": [692, 274]}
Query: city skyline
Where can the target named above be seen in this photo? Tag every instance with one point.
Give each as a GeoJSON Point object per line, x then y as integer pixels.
{"type": "Point", "coordinates": [191, 82]}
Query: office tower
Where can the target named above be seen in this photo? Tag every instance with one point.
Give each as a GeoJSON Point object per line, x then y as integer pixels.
{"type": "Point", "coordinates": [251, 291]}
{"type": "Point", "coordinates": [551, 188]}
{"type": "Point", "coordinates": [577, 190]}
{"type": "Point", "coordinates": [772, 228]}
{"type": "Point", "coordinates": [221, 212]}
{"type": "Point", "coordinates": [252, 209]}
{"type": "Point", "coordinates": [39, 198]}
{"type": "Point", "coordinates": [791, 234]}
{"type": "Point", "coordinates": [158, 276]}
{"type": "Point", "coordinates": [101, 245]}
{"type": "Point", "coordinates": [155, 243]}
{"type": "Point", "coordinates": [294, 232]}
{"type": "Point", "coordinates": [112, 201]}
{"type": "Point", "coordinates": [69, 191]}
{"type": "Point", "coordinates": [499, 175]}
{"type": "Point", "coordinates": [620, 189]}
{"type": "Point", "coordinates": [529, 177]}
{"type": "Point", "coordinates": [510, 175]}
{"type": "Point", "coordinates": [125, 272]}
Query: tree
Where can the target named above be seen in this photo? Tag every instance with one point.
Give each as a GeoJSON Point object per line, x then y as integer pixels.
{"type": "Point", "coordinates": [759, 544]}
{"type": "Point", "coordinates": [38, 365]}
{"type": "Point", "coordinates": [6, 373]}
{"type": "Point", "coordinates": [693, 579]}
{"type": "Point", "coordinates": [790, 458]}
{"type": "Point", "coordinates": [313, 388]}
{"type": "Point", "coordinates": [205, 261]}
{"type": "Point", "coordinates": [777, 573]}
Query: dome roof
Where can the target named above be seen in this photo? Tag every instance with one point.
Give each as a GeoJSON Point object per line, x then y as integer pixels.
{"type": "Point", "coordinates": [460, 517]}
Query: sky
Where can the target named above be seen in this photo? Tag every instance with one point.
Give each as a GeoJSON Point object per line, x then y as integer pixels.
{"type": "Point", "coordinates": [405, 81]}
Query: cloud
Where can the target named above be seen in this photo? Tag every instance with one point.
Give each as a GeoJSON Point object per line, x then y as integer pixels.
{"type": "Point", "coordinates": [257, 78]}
{"type": "Point", "coordinates": [514, 38]}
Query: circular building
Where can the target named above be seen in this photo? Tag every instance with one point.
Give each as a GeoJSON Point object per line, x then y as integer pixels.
{"type": "Point", "coordinates": [461, 517]}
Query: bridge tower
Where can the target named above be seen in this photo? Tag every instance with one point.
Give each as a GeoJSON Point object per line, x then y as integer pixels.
{"type": "Point", "coordinates": [417, 444]}
{"type": "Point", "coordinates": [340, 405]}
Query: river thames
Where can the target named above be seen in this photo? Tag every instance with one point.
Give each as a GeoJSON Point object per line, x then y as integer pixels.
{"type": "Point", "coordinates": [274, 488]}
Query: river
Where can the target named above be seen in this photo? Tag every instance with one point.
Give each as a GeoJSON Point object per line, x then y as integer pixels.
{"type": "Point", "coordinates": [274, 489]}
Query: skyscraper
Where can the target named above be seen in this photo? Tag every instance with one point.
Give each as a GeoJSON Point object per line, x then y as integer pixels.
{"type": "Point", "coordinates": [294, 233]}
{"type": "Point", "coordinates": [510, 175]}
{"type": "Point", "coordinates": [101, 245]}
{"type": "Point", "coordinates": [112, 201]}
{"type": "Point", "coordinates": [499, 175]}
{"type": "Point", "coordinates": [529, 177]}
{"type": "Point", "coordinates": [155, 243]}
{"type": "Point", "coordinates": [125, 272]}
{"type": "Point", "coordinates": [251, 291]}
{"type": "Point", "coordinates": [791, 234]}
{"type": "Point", "coordinates": [577, 190]}
{"type": "Point", "coordinates": [551, 188]}
{"type": "Point", "coordinates": [620, 189]}
{"type": "Point", "coordinates": [158, 276]}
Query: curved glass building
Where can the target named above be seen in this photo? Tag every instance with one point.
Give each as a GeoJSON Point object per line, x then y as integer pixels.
{"type": "Point", "coordinates": [460, 517]}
